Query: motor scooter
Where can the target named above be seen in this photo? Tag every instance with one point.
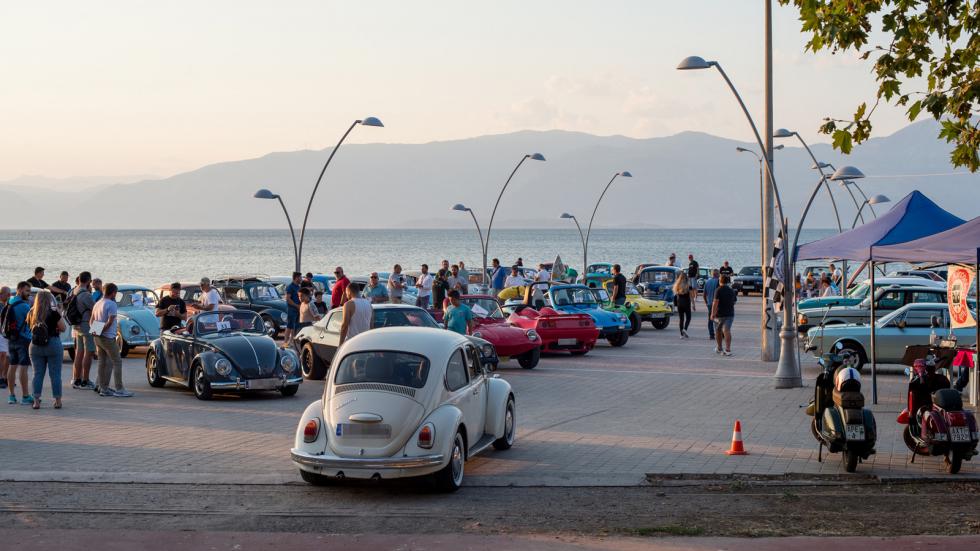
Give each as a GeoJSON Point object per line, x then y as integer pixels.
{"type": "Point", "coordinates": [840, 420]}
{"type": "Point", "coordinates": [935, 421]}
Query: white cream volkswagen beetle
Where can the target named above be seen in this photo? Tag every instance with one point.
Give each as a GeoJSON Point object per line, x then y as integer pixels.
{"type": "Point", "coordinates": [403, 402]}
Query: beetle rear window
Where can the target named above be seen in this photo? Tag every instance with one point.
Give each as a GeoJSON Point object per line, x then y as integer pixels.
{"type": "Point", "coordinates": [393, 368]}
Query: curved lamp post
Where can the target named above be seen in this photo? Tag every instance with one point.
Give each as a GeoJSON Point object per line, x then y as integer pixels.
{"type": "Point", "coordinates": [533, 157]}
{"type": "Point", "coordinates": [581, 235]}
{"type": "Point", "coordinates": [843, 183]}
{"type": "Point", "coordinates": [874, 200]}
{"type": "Point", "coordinates": [847, 184]}
{"type": "Point", "coordinates": [266, 194]}
{"type": "Point", "coordinates": [788, 370]}
{"type": "Point", "coordinates": [463, 208]}
{"type": "Point", "coordinates": [762, 190]}
{"type": "Point", "coordinates": [588, 232]}
{"type": "Point", "coordinates": [366, 121]}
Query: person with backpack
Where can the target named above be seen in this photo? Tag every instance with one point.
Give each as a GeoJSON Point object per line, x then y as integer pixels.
{"type": "Point", "coordinates": [46, 350]}
{"type": "Point", "coordinates": [18, 333]}
{"type": "Point", "coordinates": [78, 314]}
{"type": "Point", "coordinates": [4, 343]}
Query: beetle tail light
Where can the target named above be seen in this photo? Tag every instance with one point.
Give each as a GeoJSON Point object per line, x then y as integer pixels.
{"type": "Point", "coordinates": [311, 431]}
{"type": "Point", "coordinates": [427, 436]}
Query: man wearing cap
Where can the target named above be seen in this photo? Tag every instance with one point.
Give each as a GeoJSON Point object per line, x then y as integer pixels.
{"type": "Point", "coordinates": [338, 293]}
{"type": "Point", "coordinates": [209, 296]}
{"type": "Point", "coordinates": [374, 290]}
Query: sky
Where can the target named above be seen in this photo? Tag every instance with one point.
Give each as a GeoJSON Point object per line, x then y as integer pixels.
{"type": "Point", "coordinates": [115, 88]}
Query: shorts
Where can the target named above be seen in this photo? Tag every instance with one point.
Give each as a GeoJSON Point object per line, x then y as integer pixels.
{"type": "Point", "coordinates": [84, 341]}
{"type": "Point", "coordinates": [20, 351]}
{"type": "Point", "coordinates": [292, 319]}
{"type": "Point", "coordinates": [4, 346]}
{"type": "Point", "coordinates": [724, 324]}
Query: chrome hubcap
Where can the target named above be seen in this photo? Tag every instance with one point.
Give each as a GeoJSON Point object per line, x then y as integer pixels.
{"type": "Point", "coordinates": [307, 363]}
{"type": "Point", "coordinates": [199, 381]}
{"type": "Point", "coordinates": [270, 327]}
{"type": "Point", "coordinates": [509, 424]}
{"type": "Point", "coordinates": [151, 367]}
{"type": "Point", "coordinates": [457, 460]}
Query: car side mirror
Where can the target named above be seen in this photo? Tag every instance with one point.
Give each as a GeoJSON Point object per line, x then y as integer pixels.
{"type": "Point", "coordinates": [901, 324]}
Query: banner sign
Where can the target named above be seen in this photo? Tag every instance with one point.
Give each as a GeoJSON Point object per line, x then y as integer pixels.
{"type": "Point", "coordinates": [958, 284]}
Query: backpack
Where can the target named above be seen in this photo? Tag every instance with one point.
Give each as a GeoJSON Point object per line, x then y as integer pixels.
{"type": "Point", "coordinates": [39, 334]}
{"type": "Point", "coordinates": [72, 315]}
{"type": "Point", "coordinates": [8, 322]}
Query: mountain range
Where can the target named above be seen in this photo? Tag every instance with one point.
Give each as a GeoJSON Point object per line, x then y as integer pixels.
{"type": "Point", "coordinates": [689, 179]}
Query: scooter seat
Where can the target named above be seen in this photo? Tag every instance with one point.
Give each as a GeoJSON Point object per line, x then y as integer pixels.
{"type": "Point", "coordinates": [848, 399]}
{"type": "Point", "coordinates": [948, 399]}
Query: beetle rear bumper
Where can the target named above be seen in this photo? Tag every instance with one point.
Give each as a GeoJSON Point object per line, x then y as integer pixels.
{"type": "Point", "coordinates": [388, 467]}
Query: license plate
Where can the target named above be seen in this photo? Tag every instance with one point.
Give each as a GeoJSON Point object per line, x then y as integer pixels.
{"type": "Point", "coordinates": [567, 342]}
{"type": "Point", "coordinates": [657, 316]}
{"type": "Point", "coordinates": [959, 434]}
{"type": "Point", "coordinates": [748, 285]}
{"type": "Point", "coordinates": [854, 432]}
{"type": "Point", "coordinates": [263, 384]}
{"type": "Point", "coordinates": [364, 430]}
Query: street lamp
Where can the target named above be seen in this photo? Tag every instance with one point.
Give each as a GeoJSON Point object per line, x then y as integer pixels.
{"type": "Point", "coordinates": [788, 371]}
{"type": "Point", "coordinates": [762, 191]}
{"type": "Point", "coordinates": [366, 121]}
{"type": "Point", "coordinates": [783, 133]}
{"type": "Point", "coordinates": [847, 184]}
{"type": "Point", "coordinates": [463, 208]}
{"type": "Point", "coordinates": [266, 194]}
{"type": "Point", "coordinates": [874, 200]}
{"type": "Point", "coordinates": [581, 235]}
{"type": "Point", "coordinates": [588, 232]}
{"type": "Point", "coordinates": [533, 157]}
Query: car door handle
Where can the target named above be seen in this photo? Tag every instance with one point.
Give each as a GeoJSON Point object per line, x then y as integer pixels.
{"type": "Point", "coordinates": [476, 391]}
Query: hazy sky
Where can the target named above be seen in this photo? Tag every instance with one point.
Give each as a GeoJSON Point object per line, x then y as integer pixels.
{"type": "Point", "coordinates": [139, 87]}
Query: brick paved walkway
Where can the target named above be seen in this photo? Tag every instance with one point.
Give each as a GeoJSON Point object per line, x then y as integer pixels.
{"type": "Point", "coordinates": [659, 405]}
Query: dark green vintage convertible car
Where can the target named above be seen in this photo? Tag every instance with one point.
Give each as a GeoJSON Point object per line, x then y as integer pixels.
{"type": "Point", "coordinates": [222, 351]}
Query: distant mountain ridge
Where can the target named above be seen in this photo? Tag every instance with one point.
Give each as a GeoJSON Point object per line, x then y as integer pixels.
{"type": "Point", "coordinates": [691, 179]}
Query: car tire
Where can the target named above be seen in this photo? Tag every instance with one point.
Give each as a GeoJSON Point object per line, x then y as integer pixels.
{"type": "Point", "coordinates": [311, 366]}
{"type": "Point", "coordinates": [635, 323]}
{"type": "Point", "coordinates": [200, 383]}
{"type": "Point", "coordinates": [619, 339]}
{"type": "Point", "coordinates": [510, 427]}
{"type": "Point", "coordinates": [661, 323]}
{"type": "Point", "coordinates": [529, 359]}
{"type": "Point", "coordinates": [123, 347]}
{"type": "Point", "coordinates": [859, 354]}
{"type": "Point", "coordinates": [288, 391]}
{"type": "Point", "coordinates": [745, 293]}
{"type": "Point", "coordinates": [316, 479]}
{"type": "Point", "coordinates": [450, 477]}
{"type": "Point", "coordinates": [270, 326]}
{"type": "Point", "coordinates": [153, 370]}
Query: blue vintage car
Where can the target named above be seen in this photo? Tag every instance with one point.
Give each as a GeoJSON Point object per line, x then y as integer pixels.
{"type": "Point", "coordinates": [657, 282]}
{"type": "Point", "coordinates": [579, 299]}
{"type": "Point", "coordinates": [223, 351]}
{"type": "Point", "coordinates": [138, 322]}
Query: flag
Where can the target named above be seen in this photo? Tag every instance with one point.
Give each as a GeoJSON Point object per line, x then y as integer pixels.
{"type": "Point", "coordinates": [774, 274]}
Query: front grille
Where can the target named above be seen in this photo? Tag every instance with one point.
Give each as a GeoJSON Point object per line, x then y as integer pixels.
{"type": "Point", "coordinates": [375, 386]}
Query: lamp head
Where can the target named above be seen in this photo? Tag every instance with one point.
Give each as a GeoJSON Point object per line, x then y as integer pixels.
{"type": "Point", "coordinates": [778, 147]}
{"type": "Point", "coordinates": [820, 165]}
{"type": "Point", "coordinates": [626, 174]}
{"type": "Point", "coordinates": [536, 157]}
{"type": "Point", "coordinates": [460, 207]}
{"type": "Point", "coordinates": [265, 194]}
{"type": "Point", "coordinates": [694, 62]}
{"type": "Point", "coordinates": [566, 215]}
{"type": "Point", "coordinates": [741, 149]}
{"type": "Point", "coordinates": [371, 121]}
{"type": "Point", "coordinates": [878, 199]}
{"type": "Point", "coordinates": [783, 133]}
{"type": "Point", "coordinates": [847, 173]}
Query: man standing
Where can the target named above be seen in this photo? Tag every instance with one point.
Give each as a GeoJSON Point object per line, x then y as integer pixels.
{"type": "Point", "coordinates": [514, 279]}
{"type": "Point", "coordinates": [338, 293]}
{"type": "Point", "coordinates": [292, 308]}
{"type": "Point", "coordinates": [20, 342]}
{"type": "Point", "coordinates": [710, 288]}
{"type": "Point", "coordinates": [357, 316]}
{"type": "Point", "coordinates": [423, 286]}
{"type": "Point", "coordinates": [374, 290]}
{"type": "Point", "coordinates": [396, 285]}
{"type": "Point", "coordinates": [726, 270]}
{"type": "Point", "coordinates": [836, 278]}
{"type": "Point", "coordinates": [38, 279]}
{"type": "Point", "coordinates": [692, 278]}
{"type": "Point", "coordinates": [464, 275]}
{"type": "Point", "coordinates": [62, 285]}
{"type": "Point", "coordinates": [96, 289]}
{"type": "Point", "coordinates": [456, 282]}
{"type": "Point", "coordinates": [543, 274]}
{"type": "Point", "coordinates": [439, 287]}
{"type": "Point", "coordinates": [84, 341]}
{"type": "Point", "coordinates": [459, 317]}
{"type": "Point", "coordinates": [723, 312]}
{"type": "Point", "coordinates": [209, 296]}
{"type": "Point", "coordinates": [172, 310]}
{"type": "Point", "coordinates": [105, 326]}
{"type": "Point", "coordinates": [497, 276]}
{"type": "Point", "coordinates": [307, 281]}
{"type": "Point", "coordinates": [618, 286]}
{"type": "Point", "coordinates": [4, 343]}
{"type": "Point", "coordinates": [672, 260]}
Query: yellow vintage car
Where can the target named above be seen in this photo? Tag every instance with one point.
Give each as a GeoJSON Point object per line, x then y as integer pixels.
{"type": "Point", "coordinates": [657, 312]}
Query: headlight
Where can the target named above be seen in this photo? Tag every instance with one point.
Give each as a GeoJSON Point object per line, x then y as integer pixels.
{"type": "Point", "coordinates": [622, 317]}
{"type": "Point", "coordinates": [282, 316]}
{"type": "Point", "coordinates": [477, 334]}
{"type": "Point", "coordinates": [223, 367]}
{"type": "Point", "coordinates": [803, 319]}
{"type": "Point", "coordinates": [135, 329]}
{"type": "Point", "coordinates": [288, 363]}
{"type": "Point", "coordinates": [532, 335]}
{"type": "Point", "coordinates": [488, 350]}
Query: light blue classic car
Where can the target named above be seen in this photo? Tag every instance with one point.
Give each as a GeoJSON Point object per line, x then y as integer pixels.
{"type": "Point", "coordinates": [909, 325]}
{"type": "Point", "coordinates": [138, 323]}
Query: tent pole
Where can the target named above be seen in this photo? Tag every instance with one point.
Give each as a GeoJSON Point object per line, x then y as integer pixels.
{"type": "Point", "coordinates": [974, 383]}
{"type": "Point", "coordinates": [874, 352]}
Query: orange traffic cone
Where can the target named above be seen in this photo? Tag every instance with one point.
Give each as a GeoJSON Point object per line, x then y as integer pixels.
{"type": "Point", "coordinates": [737, 448]}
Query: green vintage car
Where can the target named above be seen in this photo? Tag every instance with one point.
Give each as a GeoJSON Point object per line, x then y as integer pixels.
{"type": "Point", "coordinates": [858, 292]}
{"type": "Point", "coordinates": [628, 309]}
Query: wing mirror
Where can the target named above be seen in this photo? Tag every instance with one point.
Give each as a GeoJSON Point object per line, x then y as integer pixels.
{"type": "Point", "coordinates": [901, 324]}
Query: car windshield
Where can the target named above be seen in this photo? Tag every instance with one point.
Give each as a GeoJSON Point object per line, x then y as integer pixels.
{"type": "Point", "coordinates": [861, 291]}
{"type": "Point", "coordinates": [228, 322]}
{"type": "Point", "coordinates": [484, 307]}
{"type": "Point", "coordinates": [599, 269]}
{"type": "Point", "coordinates": [601, 295]}
{"type": "Point", "coordinates": [750, 271]}
{"type": "Point", "coordinates": [403, 317]}
{"type": "Point", "coordinates": [657, 276]}
{"type": "Point", "coordinates": [136, 298]}
{"type": "Point", "coordinates": [631, 289]}
{"type": "Point", "coordinates": [572, 295]}
{"type": "Point", "coordinates": [393, 368]}
{"type": "Point", "coordinates": [263, 291]}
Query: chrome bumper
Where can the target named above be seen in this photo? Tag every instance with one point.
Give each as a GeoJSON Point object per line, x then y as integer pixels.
{"type": "Point", "coordinates": [271, 383]}
{"type": "Point", "coordinates": [377, 463]}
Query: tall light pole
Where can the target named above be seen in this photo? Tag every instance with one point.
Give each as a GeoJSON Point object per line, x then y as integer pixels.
{"type": "Point", "coordinates": [581, 235]}
{"type": "Point", "coordinates": [874, 200]}
{"type": "Point", "coordinates": [366, 121]}
{"type": "Point", "coordinates": [588, 232]}
{"type": "Point", "coordinates": [533, 157]}
{"type": "Point", "coordinates": [266, 194]}
{"type": "Point", "coordinates": [462, 208]}
{"type": "Point", "coordinates": [788, 370]}
{"type": "Point", "coordinates": [763, 246]}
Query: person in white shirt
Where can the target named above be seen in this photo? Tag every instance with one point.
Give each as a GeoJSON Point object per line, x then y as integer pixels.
{"type": "Point", "coordinates": [209, 296]}
{"type": "Point", "coordinates": [543, 274]}
{"type": "Point", "coordinates": [514, 279]}
{"type": "Point", "coordinates": [424, 286]}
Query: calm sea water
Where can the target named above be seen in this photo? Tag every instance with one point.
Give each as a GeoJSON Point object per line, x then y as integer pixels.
{"type": "Point", "coordinates": [152, 257]}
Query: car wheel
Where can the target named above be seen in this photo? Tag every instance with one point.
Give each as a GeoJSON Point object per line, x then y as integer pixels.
{"type": "Point", "coordinates": [529, 359]}
{"type": "Point", "coordinates": [153, 370]}
{"type": "Point", "coordinates": [200, 383]}
{"type": "Point", "coordinates": [619, 339]}
{"type": "Point", "coordinates": [312, 367]}
{"type": "Point", "coordinates": [660, 323]}
{"type": "Point", "coordinates": [857, 356]}
{"type": "Point", "coordinates": [745, 293]}
{"type": "Point", "coordinates": [123, 347]}
{"type": "Point", "coordinates": [510, 427]}
{"type": "Point", "coordinates": [315, 479]}
{"type": "Point", "coordinates": [635, 323]}
{"type": "Point", "coordinates": [450, 477]}
{"type": "Point", "coordinates": [270, 326]}
{"type": "Point", "coordinates": [290, 390]}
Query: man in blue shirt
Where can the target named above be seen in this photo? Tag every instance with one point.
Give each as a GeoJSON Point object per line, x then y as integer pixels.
{"type": "Point", "coordinates": [292, 308]}
{"type": "Point", "coordinates": [374, 290]}
{"type": "Point", "coordinates": [497, 276]}
{"type": "Point", "coordinates": [710, 287]}
{"type": "Point", "coordinates": [459, 317]}
{"type": "Point", "coordinates": [20, 343]}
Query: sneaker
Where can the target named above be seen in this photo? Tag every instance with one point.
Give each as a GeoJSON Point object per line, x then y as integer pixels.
{"type": "Point", "coordinates": [77, 384]}
{"type": "Point", "coordinates": [686, 336]}
{"type": "Point", "coordinates": [726, 353]}
{"type": "Point", "coordinates": [107, 392]}
{"type": "Point", "coordinates": [717, 350]}
{"type": "Point", "coordinates": [122, 393]}
{"type": "Point", "coordinates": [88, 385]}
{"type": "Point", "coordinates": [12, 400]}
{"type": "Point", "coordinates": [27, 400]}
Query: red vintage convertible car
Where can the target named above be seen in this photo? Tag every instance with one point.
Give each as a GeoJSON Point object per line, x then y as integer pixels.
{"type": "Point", "coordinates": [509, 340]}
{"type": "Point", "coordinates": [575, 333]}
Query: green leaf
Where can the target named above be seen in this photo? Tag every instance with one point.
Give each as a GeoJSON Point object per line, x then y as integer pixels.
{"type": "Point", "coordinates": [842, 141]}
{"type": "Point", "coordinates": [913, 111]}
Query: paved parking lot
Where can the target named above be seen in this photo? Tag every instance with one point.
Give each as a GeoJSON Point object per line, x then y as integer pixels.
{"type": "Point", "coordinates": [659, 405]}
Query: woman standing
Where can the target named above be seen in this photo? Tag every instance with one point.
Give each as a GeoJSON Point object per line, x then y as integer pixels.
{"type": "Point", "coordinates": [682, 300]}
{"type": "Point", "coordinates": [46, 351]}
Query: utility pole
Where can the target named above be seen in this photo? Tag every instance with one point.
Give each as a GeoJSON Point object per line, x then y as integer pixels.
{"type": "Point", "coordinates": [768, 326]}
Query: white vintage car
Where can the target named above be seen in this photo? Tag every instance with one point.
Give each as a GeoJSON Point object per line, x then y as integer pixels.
{"type": "Point", "coordinates": [403, 402]}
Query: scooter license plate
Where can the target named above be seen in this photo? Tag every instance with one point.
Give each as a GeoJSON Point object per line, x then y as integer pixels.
{"type": "Point", "coordinates": [854, 432]}
{"type": "Point", "coordinates": [959, 434]}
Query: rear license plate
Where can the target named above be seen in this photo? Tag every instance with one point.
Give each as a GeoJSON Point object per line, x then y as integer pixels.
{"type": "Point", "coordinates": [959, 434]}
{"type": "Point", "coordinates": [657, 316]}
{"type": "Point", "coordinates": [567, 342]}
{"type": "Point", "coordinates": [364, 430]}
{"type": "Point", "coordinates": [854, 432]}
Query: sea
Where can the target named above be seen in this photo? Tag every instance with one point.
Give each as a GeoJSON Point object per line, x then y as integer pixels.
{"type": "Point", "coordinates": [154, 257]}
